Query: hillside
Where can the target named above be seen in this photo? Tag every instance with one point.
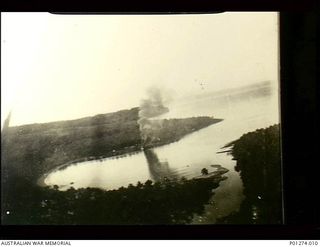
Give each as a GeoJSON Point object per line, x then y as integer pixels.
{"type": "Point", "coordinates": [29, 151]}
{"type": "Point", "coordinates": [259, 163]}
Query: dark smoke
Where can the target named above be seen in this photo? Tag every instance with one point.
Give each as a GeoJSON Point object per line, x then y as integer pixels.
{"type": "Point", "coordinates": [151, 107]}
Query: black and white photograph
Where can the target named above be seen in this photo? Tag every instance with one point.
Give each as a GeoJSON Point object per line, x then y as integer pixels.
{"type": "Point", "coordinates": [140, 119]}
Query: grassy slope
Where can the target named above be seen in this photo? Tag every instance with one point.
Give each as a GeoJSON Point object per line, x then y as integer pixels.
{"type": "Point", "coordinates": [31, 150]}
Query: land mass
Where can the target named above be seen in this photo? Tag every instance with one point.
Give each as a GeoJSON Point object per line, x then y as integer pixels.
{"type": "Point", "coordinates": [29, 151]}
{"type": "Point", "coordinates": [162, 202]}
{"type": "Point", "coordinates": [259, 163]}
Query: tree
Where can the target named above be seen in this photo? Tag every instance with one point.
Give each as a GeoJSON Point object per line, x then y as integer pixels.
{"type": "Point", "coordinates": [204, 171]}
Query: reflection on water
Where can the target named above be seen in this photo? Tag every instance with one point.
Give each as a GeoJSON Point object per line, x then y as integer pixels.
{"type": "Point", "coordinates": [242, 111]}
{"type": "Point", "coordinates": [158, 169]}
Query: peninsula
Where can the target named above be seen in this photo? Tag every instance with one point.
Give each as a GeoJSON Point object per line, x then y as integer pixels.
{"type": "Point", "coordinates": [32, 150]}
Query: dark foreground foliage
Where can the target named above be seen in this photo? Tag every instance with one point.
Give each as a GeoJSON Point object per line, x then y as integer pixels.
{"type": "Point", "coordinates": [166, 202]}
{"type": "Point", "coordinates": [29, 151]}
{"type": "Point", "coordinates": [259, 163]}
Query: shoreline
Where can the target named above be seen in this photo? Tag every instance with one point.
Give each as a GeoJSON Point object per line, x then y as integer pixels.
{"type": "Point", "coordinates": [115, 153]}
{"type": "Point", "coordinates": [219, 172]}
{"type": "Point", "coordinates": [216, 176]}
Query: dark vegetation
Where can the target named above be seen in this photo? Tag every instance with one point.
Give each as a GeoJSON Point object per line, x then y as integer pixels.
{"type": "Point", "coordinates": [204, 171]}
{"type": "Point", "coordinates": [165, 202]}
{"type": "Point", "coordinates": [29, 151]}
{"type": "Point", "coordinates": [259, 163]}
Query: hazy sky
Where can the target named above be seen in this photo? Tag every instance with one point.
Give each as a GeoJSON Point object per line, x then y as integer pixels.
{"type": "Point", "coordinates": [56, 67]}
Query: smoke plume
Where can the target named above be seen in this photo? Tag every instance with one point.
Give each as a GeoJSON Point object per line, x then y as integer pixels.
{"type": "Point", "coordinates": [151, 107]}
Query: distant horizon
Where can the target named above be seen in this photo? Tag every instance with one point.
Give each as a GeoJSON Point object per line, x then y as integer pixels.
{"type": "Point", "coordinates": [57, 67]}
{"type": "Point", "coordinates": [216, 92]}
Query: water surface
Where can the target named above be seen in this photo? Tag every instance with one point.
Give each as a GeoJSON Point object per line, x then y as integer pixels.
{"type": "Point", "coordinates": [242, 111]}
